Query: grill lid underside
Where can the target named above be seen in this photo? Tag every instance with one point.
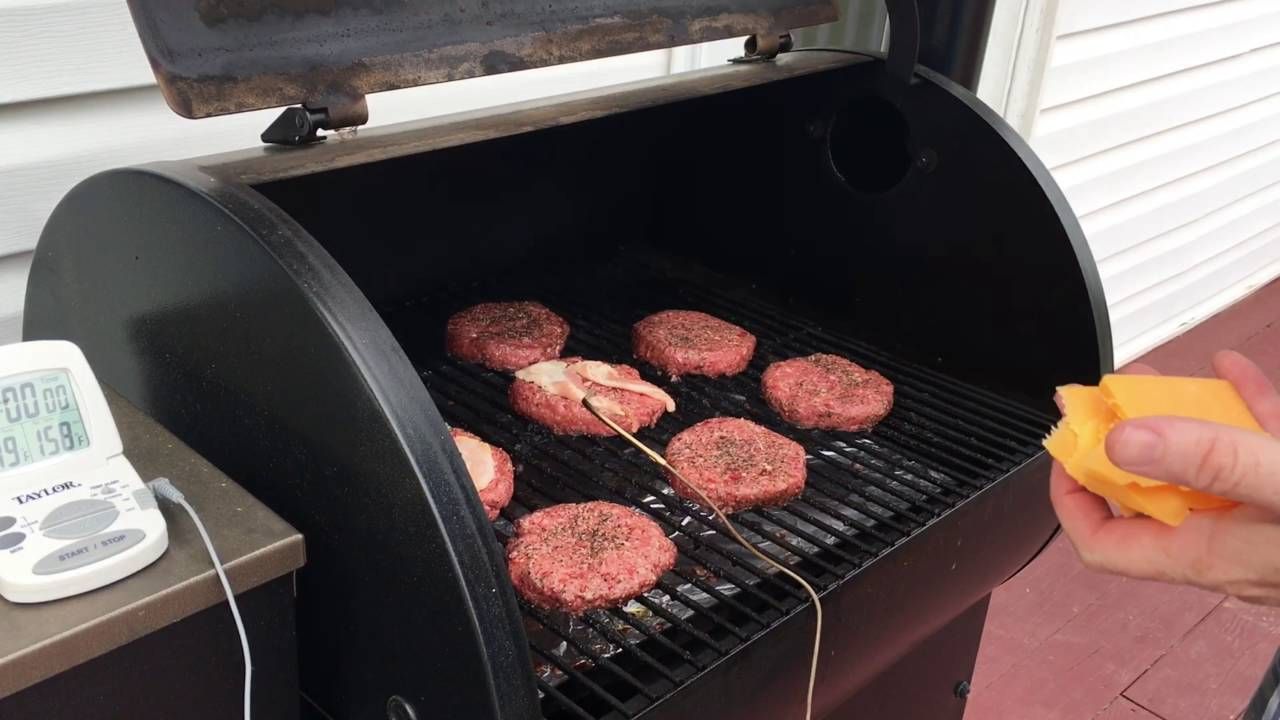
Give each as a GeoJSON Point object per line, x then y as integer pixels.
{"type": "Point", "coordinates": [213, 57]}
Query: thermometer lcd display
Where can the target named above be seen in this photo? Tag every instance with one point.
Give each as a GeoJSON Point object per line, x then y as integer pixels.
{"type": "Point", "coordinates": [39, 418]}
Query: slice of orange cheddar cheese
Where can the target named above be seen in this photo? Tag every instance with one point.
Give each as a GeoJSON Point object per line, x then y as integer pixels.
{"type": "Point", "coordinates": [1089, 413]}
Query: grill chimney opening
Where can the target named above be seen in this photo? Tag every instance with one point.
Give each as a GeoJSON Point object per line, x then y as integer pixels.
{"type": "Point", "coordinates": [869, 143]}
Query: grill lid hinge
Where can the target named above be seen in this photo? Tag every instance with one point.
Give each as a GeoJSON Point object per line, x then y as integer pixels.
{"type": "Point", "coordinates": [301, 124]}
{"type": "Point", "coordinates": [763, 47]}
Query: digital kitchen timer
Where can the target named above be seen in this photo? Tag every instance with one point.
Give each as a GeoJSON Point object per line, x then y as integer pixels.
{"type": "Point", "coordinates": [74, 515]}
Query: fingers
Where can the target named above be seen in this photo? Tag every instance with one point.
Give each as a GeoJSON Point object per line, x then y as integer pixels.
{"type": "Point", "coordinates": [1079, 511]}
{"type": "Point", "coordinates": [1253, 385]}
{"type": "Point", "coordinates": [1225, 461]}
{"type": "Point", "coordinates": [1134, 547]}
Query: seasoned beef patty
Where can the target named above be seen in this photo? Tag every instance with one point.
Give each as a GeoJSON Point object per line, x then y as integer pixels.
{"type": "Point", "coordinates": [687, 342]}
{"type": "Point", "coordinates": [737, 463]}
{"type": "Point", "coordinates": [505, 335]}
{"type": "Point", "coordinates": [550, 393]}
{"type": "Point", "coordinates": [490, 469]}
{"type": "Point", "coordinates": [585, 556]}
{"type": "Point", "coordinates": [828, 392]}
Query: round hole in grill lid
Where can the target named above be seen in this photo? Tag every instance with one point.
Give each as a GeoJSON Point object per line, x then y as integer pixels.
{"type": "Point", "coordinates": [869, 144]}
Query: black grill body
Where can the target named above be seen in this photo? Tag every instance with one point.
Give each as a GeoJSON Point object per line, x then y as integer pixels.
{"type": "Point", "coordinates": [283, 313]}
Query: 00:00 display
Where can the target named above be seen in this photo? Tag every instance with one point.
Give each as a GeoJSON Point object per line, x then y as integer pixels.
{"type": "Point", "coordinates": [21, 402]}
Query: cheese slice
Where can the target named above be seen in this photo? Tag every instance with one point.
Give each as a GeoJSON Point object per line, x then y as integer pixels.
{"type": "Point", "coordinates": [478, 456]}
{"type": "Point", "coordinates": [1086, 412]}
{"type": "Point", "coordinates": [559, 377]}
{"type": "Point", "coordinates": [1089, 413]}
{"type": "Point", "coordinates": [604, 374]}
{"type": "Point", "coordinates": [554, 377]}
{"type": "Point", "coordinates": [1210, 399]}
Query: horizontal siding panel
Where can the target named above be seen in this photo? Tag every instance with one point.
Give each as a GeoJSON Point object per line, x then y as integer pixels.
{"type": "Point", "coordinates": [1130, 273]}
{"type": "Point", "coordinates": [48, 146]}
{"type": "Point", "coordinates": [1098, 61]}
{"type": "Point", "coordinates": [1070, 132]}
{"type": "Point", "coordinates": [1143, 342]}
{"type": "Point", "coordinates": [13, 288]}
{"type": "Point", "coordinates": [1079, 15]}
{"type": "Point", "coordinates": [1125, 224]}
{"type": "Point", "coordinates": [1157, 313]}
{"type": "Point", "coordinates": [1160, 121]}
{"type": "Point", "coordinates": [66, 47]}
{"type": "Point", "coordinates": [1121, 173]}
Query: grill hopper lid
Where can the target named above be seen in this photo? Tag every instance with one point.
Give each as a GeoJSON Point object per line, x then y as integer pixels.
{"type": "Point", "coordinates": [213, 57]}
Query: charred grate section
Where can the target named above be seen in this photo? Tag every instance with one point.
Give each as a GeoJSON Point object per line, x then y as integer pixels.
{"type": "Point", "coordinates": [866, 492]}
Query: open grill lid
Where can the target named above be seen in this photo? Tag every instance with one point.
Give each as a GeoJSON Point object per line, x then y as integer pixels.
{"type": "Point", "coordinates": [213, 57]}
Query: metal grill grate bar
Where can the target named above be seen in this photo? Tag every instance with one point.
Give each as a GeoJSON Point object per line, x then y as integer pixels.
{"type": "Point", "coordinates": [598, 659]}
{"type": "Point", "coordinates": [548, 690]}
{"type": "Point", "coordinates": [582, 679]}
{"type": "Point", "coordinates": [659, 639]}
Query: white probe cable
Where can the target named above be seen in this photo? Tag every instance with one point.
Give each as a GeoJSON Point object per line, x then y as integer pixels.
{"type": "Point", "coordinates": [165, 489]}
{"type": "Point", "coordinates": [720, 514]}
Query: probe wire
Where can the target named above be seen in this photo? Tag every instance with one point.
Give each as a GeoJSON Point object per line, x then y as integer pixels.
{"type": "Point", "coordinates": [813, 594]}
{"type": "Point", "coordinates": [165, 489]}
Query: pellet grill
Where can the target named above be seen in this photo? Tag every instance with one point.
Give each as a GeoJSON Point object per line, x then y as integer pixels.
{"type": "Point", "coordinates": [282, 309]}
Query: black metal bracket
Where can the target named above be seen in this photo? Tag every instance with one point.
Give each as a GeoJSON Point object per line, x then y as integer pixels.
{"type": "Point", "coordinates": [301, 125]}
{"type": "Point", "coordinates": [904, 41]}
{"type": "Point", "coordinates": [763, 47]}
{"type": "Point", "coordinates": [296, 126]}
{"type": "Point", "coordinates": [900, 60]}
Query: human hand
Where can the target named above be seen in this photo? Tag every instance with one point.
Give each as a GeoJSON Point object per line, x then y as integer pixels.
{"type": "Point", "coordinates": [1234, 551]}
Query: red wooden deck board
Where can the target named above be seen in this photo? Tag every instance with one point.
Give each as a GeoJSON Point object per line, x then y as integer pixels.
{"type": "Point", "coordinates": [1063, 643]}
{"type": "Point", "coordinates": [1088, 660]}
{"type": "Point", "coordinates": [1123, 709]}
{"type": "Point", "coordinates": [1031, 607]}
{"type": "Point", "coordinates": [1211, 674]}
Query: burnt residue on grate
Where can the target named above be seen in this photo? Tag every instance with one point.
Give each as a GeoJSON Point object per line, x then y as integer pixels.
{"type": "Point", "coordinates": [866, 492]}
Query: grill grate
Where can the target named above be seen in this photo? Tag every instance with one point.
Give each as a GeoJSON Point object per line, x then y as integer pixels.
{"type": "Point", "coordinates": [866, 492]}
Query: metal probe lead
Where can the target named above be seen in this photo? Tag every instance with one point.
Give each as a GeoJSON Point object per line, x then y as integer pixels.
{"type": "Point", "coordinates": [813, 594]}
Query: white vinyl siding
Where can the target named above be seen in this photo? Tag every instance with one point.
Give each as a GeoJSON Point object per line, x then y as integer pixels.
{"type": "Point", "coordinates": [77, 96]}
{"type": "Point", "coordinates": [1160, 119]}
{"type": "Point", "coordinates": [862, 26]}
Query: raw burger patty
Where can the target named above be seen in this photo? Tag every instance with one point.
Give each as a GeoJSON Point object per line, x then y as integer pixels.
{"type": "Point", "coordinates": [505, 335]}
{"type": "Point", "coordinates": [586, 556]}
{"type": "Point", "coordinates": [495, 472]}
{"type": "Point", "coordinates": [828, 392]}
{"type": "Point", "coordinates": [568, 417]}
{"type": "Point", "coordinates": [737, 463]}
{"type": "Point", "coordinates": [687, 342]}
